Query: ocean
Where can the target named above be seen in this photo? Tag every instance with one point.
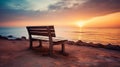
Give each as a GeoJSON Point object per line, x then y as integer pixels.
{"type": "Point", "coordinates": [95, 35]}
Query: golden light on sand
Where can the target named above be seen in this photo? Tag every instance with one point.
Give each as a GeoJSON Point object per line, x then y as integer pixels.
{"type": "Point", "coordinates": [80, 24]}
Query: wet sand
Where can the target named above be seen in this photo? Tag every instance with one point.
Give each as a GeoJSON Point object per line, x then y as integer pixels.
{"type": "Point", "coordinates": [15, 53]}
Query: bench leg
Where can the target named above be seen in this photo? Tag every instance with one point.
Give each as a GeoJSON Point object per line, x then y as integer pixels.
{"type": "Point", "coordinates": [63, 48]}
{"type": "Point", "coordinates": [40, 43]}
{"type": "Point", "coordinates": [30, 44]}
{"type": "Point", "coordinates": [51, 50]}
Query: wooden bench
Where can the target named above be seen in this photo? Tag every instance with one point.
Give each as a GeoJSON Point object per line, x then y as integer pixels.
{"type": "Point", "coordinates": [46, 33]}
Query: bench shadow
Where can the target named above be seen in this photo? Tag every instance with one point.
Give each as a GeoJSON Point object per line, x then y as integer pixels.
{"type": "Point", "coordinates": [43, 52]}
{"type": "Point", "coordinates": [56, 57]}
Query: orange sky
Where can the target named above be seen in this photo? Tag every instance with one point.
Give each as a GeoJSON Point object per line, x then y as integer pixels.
{"type": "Point", "coordinates": [77, 13]}
{"type": "Point", "coordinates": [109, 20]}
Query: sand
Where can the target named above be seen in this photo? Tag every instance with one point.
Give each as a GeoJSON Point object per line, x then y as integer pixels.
{"type": "Point", "coordinates": [15, 53]}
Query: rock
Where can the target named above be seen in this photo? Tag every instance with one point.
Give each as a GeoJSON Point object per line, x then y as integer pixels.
{"type": "Point", "coordinates": [117, 47]}
{"type": "Point", "coordinates": [99, 45]}
{"type": "Point", "coordinates": [70, 42]}
{"type": "Point", "coordinates": [79, 43]}
{"type": "Point", "coordinates": [18, 39]}
{"type": "Point", "coordinates": [112, 47]}
{"type": "Point", "coordinates": [10, 36]}
{"type": "Point", "coordinates": [23, 38]}
{"type": "Point", "coordinates": [109, 46]}
{"type": "Point", "coordinates": [3, 37]}
{"type": "Point", "coordinates": [91, 44]}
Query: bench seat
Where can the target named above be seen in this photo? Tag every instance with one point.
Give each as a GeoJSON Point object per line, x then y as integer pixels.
{"type": "Point", "coordinates": [47, 39]}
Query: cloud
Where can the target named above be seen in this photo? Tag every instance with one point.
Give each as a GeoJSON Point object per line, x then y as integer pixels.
{"type": "Point", "coordinates": [72, 10]}
{"type": "Point", "coordinates": [102, 5]}
{"type": "Point", "coordinates": [11, 10]}
{"type": "Point", "coordinates": [90, 7]}
{"type": "Point", "coordinates": [66, 4]}
{"type": "Point", "coordinates": [34, 5]}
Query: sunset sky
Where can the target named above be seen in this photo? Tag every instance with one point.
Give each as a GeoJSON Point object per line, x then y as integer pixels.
{"type": "Point", "coordinates": [81, 13]}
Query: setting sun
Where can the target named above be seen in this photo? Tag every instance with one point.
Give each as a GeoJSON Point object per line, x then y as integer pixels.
{"type": "Point", "coordinates": [80, 23]}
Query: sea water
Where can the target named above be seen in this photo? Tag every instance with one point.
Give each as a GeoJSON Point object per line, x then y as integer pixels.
{"type": "Point", "coordinates": [95, 35]}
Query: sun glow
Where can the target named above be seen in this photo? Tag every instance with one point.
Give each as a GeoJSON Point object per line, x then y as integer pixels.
{"type": "Point", "coordinates": [80, 23]}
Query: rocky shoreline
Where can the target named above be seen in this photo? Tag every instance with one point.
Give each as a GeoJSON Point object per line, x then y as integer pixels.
{"type": "Point", "coordinates": [10, 37]}
{"type": "Point", "coordinates": [98, 45]}
{"type": "Point", "coordinates": [77, 43]}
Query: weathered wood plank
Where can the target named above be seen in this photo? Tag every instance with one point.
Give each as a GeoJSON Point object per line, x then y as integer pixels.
{"type": "Point", "coordinates": [50, 27]}
{"type": "Point", "coordinates": [40, 30]}
{"type": "Point", "coordinates": [42, 34]}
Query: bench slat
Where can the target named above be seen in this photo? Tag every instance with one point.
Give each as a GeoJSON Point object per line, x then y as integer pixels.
{"type": "Point", "coordinates": [42, 34]}
{"type": "Point", "coordinates": [47, 39]}
{"type": "Point", "coordinates": [41, 30]}
{"type": "Point", "coordinates": [42, 27]}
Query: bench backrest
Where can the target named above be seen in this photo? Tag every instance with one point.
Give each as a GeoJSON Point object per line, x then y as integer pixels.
{"type": "Point", "coordinates": [41, 31]}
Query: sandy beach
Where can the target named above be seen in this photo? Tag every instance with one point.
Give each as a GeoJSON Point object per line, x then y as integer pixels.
{"type": "Point", "coordinates": [15, 53]}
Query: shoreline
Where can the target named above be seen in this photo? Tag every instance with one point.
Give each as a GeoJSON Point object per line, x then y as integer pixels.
{"type": "Point", "coordinates": [77, 43]}
{"type": "Point", "coordinates": [97, 45]}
